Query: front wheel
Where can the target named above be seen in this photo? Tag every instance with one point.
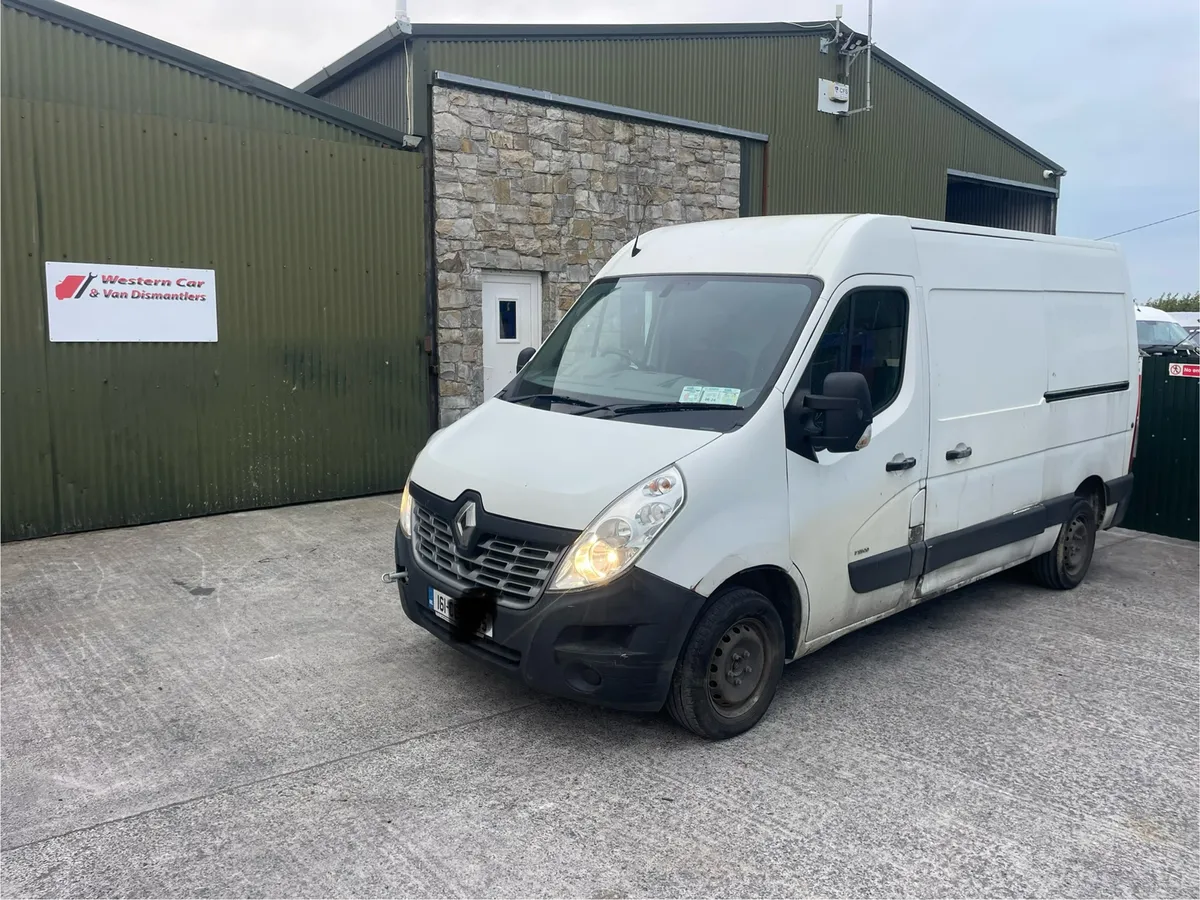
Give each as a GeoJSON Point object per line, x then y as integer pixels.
{"type": "Point", "coordinates": [1064, 565]}
{"type": "Point", "coordinates": [730, 667]}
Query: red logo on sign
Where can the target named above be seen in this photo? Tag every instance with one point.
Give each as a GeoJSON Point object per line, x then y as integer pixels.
{"type": "Point", "coordinates": [72, 286]}
{"type": "Point", "coordinates": [1185, 370]}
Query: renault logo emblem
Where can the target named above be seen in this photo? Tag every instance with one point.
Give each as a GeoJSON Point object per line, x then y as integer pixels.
{"type": "Point", "coordinates": [464, 524]}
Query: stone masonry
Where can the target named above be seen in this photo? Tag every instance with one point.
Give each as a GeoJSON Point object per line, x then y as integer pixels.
{"type": "Point", "coordinates": [531, 187]}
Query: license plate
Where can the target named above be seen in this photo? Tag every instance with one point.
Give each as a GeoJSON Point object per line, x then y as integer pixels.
{"type": "Point", "coordinates": [443, 607]}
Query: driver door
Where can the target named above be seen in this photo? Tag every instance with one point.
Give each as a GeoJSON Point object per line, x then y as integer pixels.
{"type": "Point", "coordinates": [854, 515]}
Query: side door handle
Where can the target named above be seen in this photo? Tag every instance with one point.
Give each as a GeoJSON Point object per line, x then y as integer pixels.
{"type": "Point", "coordinates": [899, 463]}
{"type": "Point", "coordinates": [962, 451]}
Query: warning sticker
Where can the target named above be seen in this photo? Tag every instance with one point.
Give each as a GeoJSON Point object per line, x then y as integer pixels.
{"type": "Point", "coordinates": [1185, 370]}
{"type": "Point", "coordinates": [720, 396]}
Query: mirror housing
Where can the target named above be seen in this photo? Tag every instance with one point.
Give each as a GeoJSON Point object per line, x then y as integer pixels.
{"type": "Point", "coordinates": [834, 420]}
{"type": "Point", "coordinates": [524, 357]}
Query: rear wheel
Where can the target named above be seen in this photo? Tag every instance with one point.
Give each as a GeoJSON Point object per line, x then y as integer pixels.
{"type": "Point", "coordinates": [1064, 565]}
{"type": "Point", "coordinates": [730, 667]}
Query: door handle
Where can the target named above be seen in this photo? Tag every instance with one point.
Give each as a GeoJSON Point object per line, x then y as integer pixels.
{"type": "Point", "coordinates": [899, 463]}
{"type": "Point", "coordinates": [962, 451]}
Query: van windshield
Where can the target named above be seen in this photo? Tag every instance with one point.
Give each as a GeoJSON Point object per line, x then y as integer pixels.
{"type": "Point", "coordinates": [664, 342]}
{"type": "Point", "coordinates": [1154, 333]}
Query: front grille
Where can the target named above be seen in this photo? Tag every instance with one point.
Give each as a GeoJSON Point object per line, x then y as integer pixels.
{"type": "Point", "coordinates": [517, 570]}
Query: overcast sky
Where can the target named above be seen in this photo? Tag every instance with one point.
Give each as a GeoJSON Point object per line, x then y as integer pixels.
{"type": "Point", "coordinates": [1109, 89]}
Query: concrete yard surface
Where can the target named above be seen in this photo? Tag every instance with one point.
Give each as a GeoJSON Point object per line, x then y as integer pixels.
{"type": "Point", "coordinates": [236, 706]}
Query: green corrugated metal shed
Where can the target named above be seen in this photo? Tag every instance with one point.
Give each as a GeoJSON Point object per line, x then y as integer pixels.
{"type": "Point", "coordinates": [117, 148]}
{"type": "Point", "coordinates": [894, 159]}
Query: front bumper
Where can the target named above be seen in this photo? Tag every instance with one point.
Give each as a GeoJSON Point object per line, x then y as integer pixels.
{"type": "Point", "coordinates": [614, 645]}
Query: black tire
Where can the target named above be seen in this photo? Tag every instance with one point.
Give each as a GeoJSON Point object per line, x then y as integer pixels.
{"type": "Point", "coordinates": [1065, 565]}
{"type": "Point", "coordinates": [729, 668]}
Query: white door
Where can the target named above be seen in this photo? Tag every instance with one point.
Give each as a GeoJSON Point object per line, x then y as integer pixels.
{"type": "Point", "coordinates": [855, 517]}
{"type": "Point", "coordinates": [512, 321]}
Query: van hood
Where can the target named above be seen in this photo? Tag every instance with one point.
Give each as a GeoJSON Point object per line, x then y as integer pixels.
{"type": "Point", "coordinates": [547, 467]}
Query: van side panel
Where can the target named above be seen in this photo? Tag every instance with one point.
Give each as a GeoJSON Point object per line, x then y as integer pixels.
{"type": "Point", "coordinates": [1090, 346]}
{"type": "Point", "coordinates": [987, 372]}
{"type": "Point", "coordinates": [986, 394]}
{"type": "Point", "coordinates": [1092, 323]}
{"type": "Point", "coordinates": [1032, 366]}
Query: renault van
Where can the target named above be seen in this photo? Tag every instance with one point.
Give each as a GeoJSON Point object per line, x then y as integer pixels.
{"type": "Point", "coordinates": [748, 438]}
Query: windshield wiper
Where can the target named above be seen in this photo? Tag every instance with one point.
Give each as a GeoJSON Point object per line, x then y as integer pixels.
{"type": "Point", "coordinates": [627, 409]}
{"type": "Point", "coordinates": [553, 398]}
{"type": "Point", "coordinates": [1162, 348]}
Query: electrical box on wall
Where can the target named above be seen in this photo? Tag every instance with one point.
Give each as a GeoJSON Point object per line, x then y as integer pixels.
{"type": "Point", "coordinates": [833, 97]}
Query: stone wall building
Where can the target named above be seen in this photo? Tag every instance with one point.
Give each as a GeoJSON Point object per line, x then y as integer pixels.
{"type": "Point", "coordinates": [523, 186]}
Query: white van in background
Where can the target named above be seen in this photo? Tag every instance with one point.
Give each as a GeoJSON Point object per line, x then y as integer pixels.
{"type": "Point", "coordinates": [1160, 332]}
{"type": "Point", "coordinates": [1190, 322]}
{"type": "Point", "coordinates": [750, 437]}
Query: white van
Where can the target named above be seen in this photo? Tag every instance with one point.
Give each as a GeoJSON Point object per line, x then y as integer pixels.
{"type": "Point", "coordinates": [1160, 332]}
{"type": "Point", "coordinates": [750, 437]}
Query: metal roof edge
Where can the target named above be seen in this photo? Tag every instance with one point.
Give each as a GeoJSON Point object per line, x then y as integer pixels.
{"type": "Point", "coordinates": [375, 46]}
{"type": "Point", "coordinates": [360, 55]}
{"type": "Point", "coordinates": [627, 112]}
{"type": "Point", "coordinates": [1002, 182]}
{"type": "Point", "coordinates": [121, 36]}
{"type": "Point", "coordinates": [681, 29]}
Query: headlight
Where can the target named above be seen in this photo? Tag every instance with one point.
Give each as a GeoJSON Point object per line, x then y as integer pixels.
{"type": "Point", "coordinates": [619, 534]}
{"type": "Point", "coordinates": [406, 509]}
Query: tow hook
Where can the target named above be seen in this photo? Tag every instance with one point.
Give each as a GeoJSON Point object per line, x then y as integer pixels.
{"type": "Point", "coordinates": [393, 577]}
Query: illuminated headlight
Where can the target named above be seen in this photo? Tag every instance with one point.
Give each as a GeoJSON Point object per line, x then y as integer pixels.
{"type": "Point", "coordinates": [619, 534]}
{"type": "Point", "coordinates": [406, 511]}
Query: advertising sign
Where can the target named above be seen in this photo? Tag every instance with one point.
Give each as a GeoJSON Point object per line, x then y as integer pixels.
{"type": "Point", "coordinates": [102, 302]}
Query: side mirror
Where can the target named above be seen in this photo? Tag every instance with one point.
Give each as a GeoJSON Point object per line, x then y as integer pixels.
{"type": "Point", "coordinates": [524, 357]}
{"type": "Point", "coordinates": [834, 420]}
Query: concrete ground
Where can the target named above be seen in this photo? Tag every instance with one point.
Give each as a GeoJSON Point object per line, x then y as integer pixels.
{"type": "Point", "coordinates": [237, 706]}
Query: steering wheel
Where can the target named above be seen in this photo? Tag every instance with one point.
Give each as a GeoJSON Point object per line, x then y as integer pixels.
{"type": "Point", "coordinates": [621, 353]}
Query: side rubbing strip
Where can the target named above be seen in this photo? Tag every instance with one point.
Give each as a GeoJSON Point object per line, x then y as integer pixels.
{"type": "Point", "coordinates": [880, 570]}
{"type": "Point", "coordinates": [1071, 393]}
{"type": "Point", "coordinates": [894, 566]}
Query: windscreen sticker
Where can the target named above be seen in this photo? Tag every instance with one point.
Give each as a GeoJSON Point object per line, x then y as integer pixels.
{"type": "Point", "coordinates": [723, 396]}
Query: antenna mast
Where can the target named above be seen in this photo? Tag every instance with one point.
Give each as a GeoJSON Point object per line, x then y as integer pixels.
{"type": "Point", "coordinates": [854, 55]}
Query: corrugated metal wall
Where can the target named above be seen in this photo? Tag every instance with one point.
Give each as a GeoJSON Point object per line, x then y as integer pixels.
{"type": "Point", "coordinates": [754, 160]}
{"type": "Point", "coordinates": [41, 61]}
{"type": "Point", "coordinates": [317, 386]}
{"type": "Point", "coordinates": [1166, 470]}
{"type": "Point", "coordinates": [891, 160]}
{"type": "Point", "coordinates": [975, 203]}
{"type": "Point", "coordinates": [377, 92]}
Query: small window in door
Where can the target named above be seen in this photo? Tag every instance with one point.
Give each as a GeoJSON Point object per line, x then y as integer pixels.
{"type": "Point", "coordinates": [866, 333]}
{"type": "Point", "coordinates": [508, 320]}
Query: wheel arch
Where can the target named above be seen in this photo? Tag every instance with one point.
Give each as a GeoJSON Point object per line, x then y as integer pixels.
{"type": "Point", "coordinates": [785, 595]}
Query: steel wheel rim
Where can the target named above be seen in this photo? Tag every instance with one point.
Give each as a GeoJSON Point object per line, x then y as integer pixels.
{"type": "Point", "coordinates": [1077, 550]}
{"type": "Point", "coordinates": [737, 668]}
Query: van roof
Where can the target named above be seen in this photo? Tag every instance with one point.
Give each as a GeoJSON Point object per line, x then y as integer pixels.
{"type": "Point", "coordinates": [787, 245]}
{"type": "Point", "coordinates": [1151, 314]}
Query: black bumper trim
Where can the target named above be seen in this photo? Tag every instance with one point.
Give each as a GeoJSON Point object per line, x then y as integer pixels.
{"type": "Point", "coordinates": [614, 646]}
{"type": "Point", "coordinates": [902, 563]}
{"type": "Point", "coordinates": [1119, 489]}
{"type": "Point", "coordinates": [1120, 492]}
